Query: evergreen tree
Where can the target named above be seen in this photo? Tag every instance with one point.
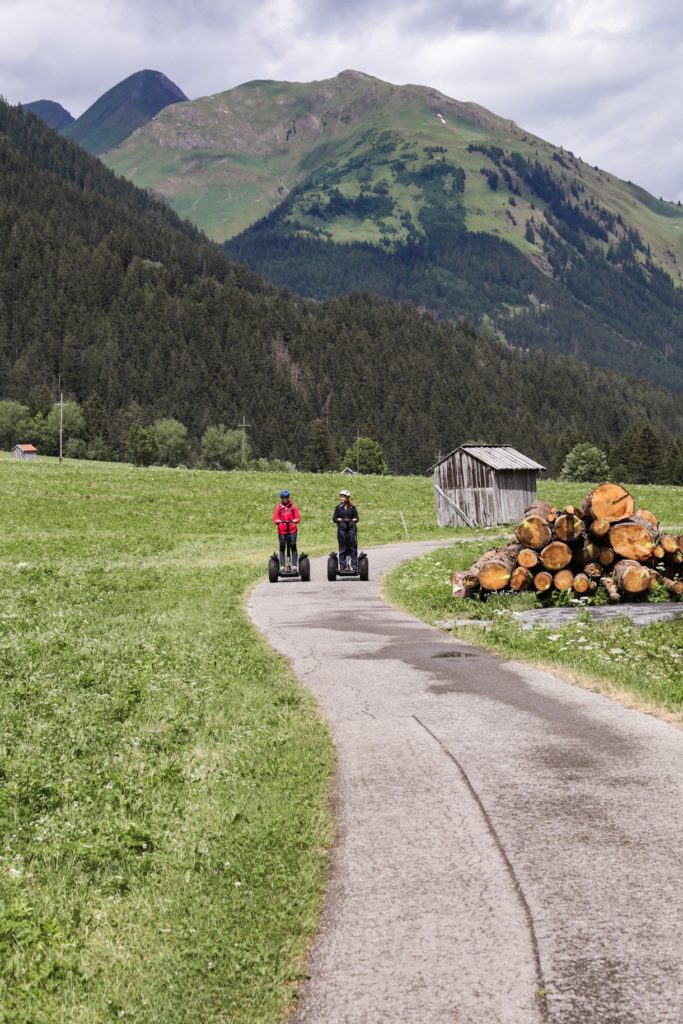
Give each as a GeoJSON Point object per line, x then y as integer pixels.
{"type": "Point", "coordinates": [646, 457]}
{"type": "Point", "coordinates": [319, 454]}
{"type": "Point", "coordinates": [672, 463]}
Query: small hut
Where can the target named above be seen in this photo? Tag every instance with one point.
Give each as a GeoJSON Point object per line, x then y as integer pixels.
{"type": "Point", "coordinates": [483, 485]}
{"type": "Point", "coordinates": [24, 451]}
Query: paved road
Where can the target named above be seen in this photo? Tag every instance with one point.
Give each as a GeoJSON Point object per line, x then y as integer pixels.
{"type": "Point", "coordinates": [509, 848]}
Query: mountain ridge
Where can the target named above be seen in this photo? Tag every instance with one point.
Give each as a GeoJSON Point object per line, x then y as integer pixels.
{"type": "Point", "coordinates": [128, 105]}
{"type": "Point", "coordinates": [52, 113]}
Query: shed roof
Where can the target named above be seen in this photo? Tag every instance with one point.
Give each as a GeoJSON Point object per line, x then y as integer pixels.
{"type": "Point", "coordinates": [497, 456]}
{"type": "Point", "coordinates": [25, 447]}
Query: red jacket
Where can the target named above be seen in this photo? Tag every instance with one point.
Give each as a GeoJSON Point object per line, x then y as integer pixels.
{"type": "Point", "coordinates": [288, 516]}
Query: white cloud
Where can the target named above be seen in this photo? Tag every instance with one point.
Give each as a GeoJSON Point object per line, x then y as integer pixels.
{"type": "Point", "coordinates": [601, 77]}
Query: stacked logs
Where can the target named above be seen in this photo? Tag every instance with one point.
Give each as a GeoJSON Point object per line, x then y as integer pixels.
{"type": "Point", "coordinates": [606, 542]}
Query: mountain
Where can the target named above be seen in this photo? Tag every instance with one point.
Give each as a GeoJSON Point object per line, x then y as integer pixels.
{"type": "Point", "coordinates": [127, 106]}
{"type": "Point", "coordinates": [50, 112]}
{"type": "Point", "coordinates": [349, 182]}
{"type": "Point", "coordinates": [139, 316]}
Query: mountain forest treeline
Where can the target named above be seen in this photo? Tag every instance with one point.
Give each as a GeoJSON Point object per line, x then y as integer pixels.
{"type": "Point", "coordinates": [610, 305]}
{"type": "Point", "coordinates": [134, 315]}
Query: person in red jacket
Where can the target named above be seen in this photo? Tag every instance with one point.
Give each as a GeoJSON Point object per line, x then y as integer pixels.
{"type": "Point", "coordinates": [286, 517]}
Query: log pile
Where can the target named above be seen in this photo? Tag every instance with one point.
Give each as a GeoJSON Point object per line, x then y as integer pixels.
{"type": "Point", "coordinates": [606, 543]}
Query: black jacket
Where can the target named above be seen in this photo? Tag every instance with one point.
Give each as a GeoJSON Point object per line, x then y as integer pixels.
{"type": "Point", "coordinates": [345, 513]}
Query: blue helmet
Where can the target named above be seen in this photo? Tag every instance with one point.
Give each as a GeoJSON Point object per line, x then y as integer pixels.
{"type": "Point", "coordinates": [284, 494]}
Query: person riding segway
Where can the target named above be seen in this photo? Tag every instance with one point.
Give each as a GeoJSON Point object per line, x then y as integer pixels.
{"type": "Point", "coordinates": [347, 562]}
{"type": "Point", "coordinates": [287, 518]}
{"type": "Point", "coordinates": [345, 516]}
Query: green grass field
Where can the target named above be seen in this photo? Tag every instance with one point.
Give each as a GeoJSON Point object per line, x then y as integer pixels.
{"type": "Point", "coordinates": [163, 778]}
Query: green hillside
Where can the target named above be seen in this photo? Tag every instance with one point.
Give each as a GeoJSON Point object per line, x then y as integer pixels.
{"type": "Point", "coordinates": [122, 109]}
{"type": "Point", "coordinates": [432, 200]}
{"type": "Point", "coordinates": [104, 288]}
{"type": "Point", "coordinates": [228, 159]}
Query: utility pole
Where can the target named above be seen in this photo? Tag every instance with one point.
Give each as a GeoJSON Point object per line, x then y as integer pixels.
{"type": "Point", "coordinates": [61, 422]}
{"type": "Point", "coordinates": [244, 426]}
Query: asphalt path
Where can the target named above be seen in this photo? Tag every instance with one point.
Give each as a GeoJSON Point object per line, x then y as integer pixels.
{"type": "Point", "coordinates": [509, 848]}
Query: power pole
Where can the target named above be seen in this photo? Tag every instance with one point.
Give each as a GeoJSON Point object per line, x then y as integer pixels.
{"type": "Point", "coordinates": [244, 426]}
{"type": "Point", "coordinates": [61, 422]}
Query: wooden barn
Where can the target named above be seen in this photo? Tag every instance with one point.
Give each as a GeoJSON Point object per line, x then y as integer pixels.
{"type": "Point", "coordinates": [24, 451]}
{"type": "Point", "coordinates": [483, 485]}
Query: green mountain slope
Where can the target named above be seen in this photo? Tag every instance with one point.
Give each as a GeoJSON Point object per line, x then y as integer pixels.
{"type": "Point", "coordinates": [139, 316]}
{"type": "Point", "coordinates": [127, 106]}
{"type": "Point", "coordinates": [433, 200]}
{"type": "Point", "coordinates": [50, 112]}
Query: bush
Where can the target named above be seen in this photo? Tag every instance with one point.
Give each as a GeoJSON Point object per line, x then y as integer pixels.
{"type": "Point", "coordinates": [222, 448]}
{"type": "Point", "coordinates": [142, 447]}
{"type": "Point", "coordinates": [585, 462]}
{"type": "Point", "coordinates": [365, 456]}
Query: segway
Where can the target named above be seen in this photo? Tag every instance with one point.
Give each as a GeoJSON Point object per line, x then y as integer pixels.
{"type": "Point", "coordinates": [301, 572]}
{"type": "Point", "coordinates": [337, 571]}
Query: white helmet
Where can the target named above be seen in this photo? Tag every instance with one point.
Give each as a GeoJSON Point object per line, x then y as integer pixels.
{"type": "Point", "coordinates": [344, 494]}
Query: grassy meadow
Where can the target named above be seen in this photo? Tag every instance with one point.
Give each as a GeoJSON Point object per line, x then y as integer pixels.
{"type": "Point", "coordinates": [163, 778]}
{"type": "Point", "coordinates": [641, 667]}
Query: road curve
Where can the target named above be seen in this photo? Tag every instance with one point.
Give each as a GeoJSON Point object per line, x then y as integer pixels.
{"type": "Point", "coordinates": [509, 848]}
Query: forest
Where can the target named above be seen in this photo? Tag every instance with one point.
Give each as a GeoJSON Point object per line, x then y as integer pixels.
{"type": "Point", "coordinates": [106, 296]}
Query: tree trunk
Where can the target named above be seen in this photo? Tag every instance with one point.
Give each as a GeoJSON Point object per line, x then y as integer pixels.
{"type": "Point", "coordinates": [535, 529]}
{"type": "Point", "coordinates": [600, 527]}
{"type": "Point", "coordinates": [581, 584]}
{"type": "Point", "coordinates": [633, 538]}
{"type": "Point", "coordinates": [589, 551]}
{"type": "Point", "coordinates": [528, 558]}
{"type": "Point", "coordinates": [568, 527]}
{"type": "Point", "coordinates": [644, 513]}
{"type": "Point", "coordinates": [543, 581]}
{"type": "Point", "coordinates": [564, 579]}
{"type": "Point", "coordinates": [611, 588]}
{"type": "Point", "coordinates": [464, 584]}
{"type": "Point", "coordinates": [606, 556]}
{"type": "Point", "coordinates": [610, 501]}
{"type": "Point", "coordinates": [521, 578]}
{"type": "Point", "coordinates": [556, 555]}
{"type": "Point", "coordinates": [675, 587]}
{"type": "Point", "coordinates": [494, 568]}
{"type": "Point", "coordinates": [631, 577]}
{"type": "Point", "coordinates": [669, 543]}
{"type": "Point", "coordinates": [593, 570]}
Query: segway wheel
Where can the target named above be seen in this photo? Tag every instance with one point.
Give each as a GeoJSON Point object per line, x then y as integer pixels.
{"type": "Point", "coordinates": [273, 569]}
{"type": "Point", "coordinates": [364, 567]}
{"type": "Point", "coordinates": [305, 569]}
{"type": "Point", "coordinates": [331, 568]}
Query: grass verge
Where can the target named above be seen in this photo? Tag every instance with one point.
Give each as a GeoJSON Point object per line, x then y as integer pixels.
{"type": "Point", "coordinates": [639, 666]}
{"type": "Point", "coordinates": [164, 822]}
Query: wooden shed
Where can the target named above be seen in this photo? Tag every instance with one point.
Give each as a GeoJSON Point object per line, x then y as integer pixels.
{"type": "Point", "coordinates": [24, 451]}
{"type": "Point", "coordinates": [483, 485]}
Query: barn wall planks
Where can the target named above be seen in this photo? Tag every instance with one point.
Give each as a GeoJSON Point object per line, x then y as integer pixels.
{"type": "Point", "coordinates": [487, 496]}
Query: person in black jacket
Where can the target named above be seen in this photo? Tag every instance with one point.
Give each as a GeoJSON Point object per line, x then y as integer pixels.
{"type": "Point", "coordinates": [345, 516]}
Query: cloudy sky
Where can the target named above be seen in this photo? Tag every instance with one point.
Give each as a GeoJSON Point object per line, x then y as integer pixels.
{"type": "Point", "coordinates": [603, 78]}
